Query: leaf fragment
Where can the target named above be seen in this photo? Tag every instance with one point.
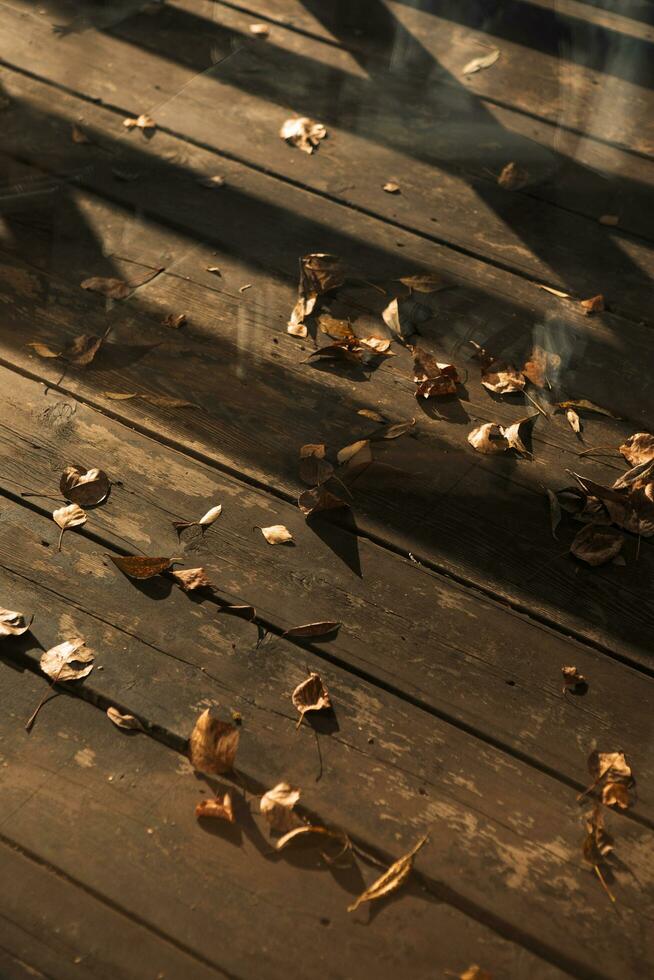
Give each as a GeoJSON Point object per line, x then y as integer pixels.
{"type": "Point", "coordinates": [488, 439]}
{"type": "Point", "coordinates": [391, 879]}
{"type": "Point", "coordinates": [140, 567]}
{"type": "Point", "coordinates": [70, 516]}
{"type": "Point", "coordinates": [307, 828]}
{"type": "Point", "coordinates": [314, 468]}
{"type": "Point", "coordinates": [609, 219]}
{"type": "Point", "coordinates": [277, 804]}
{"type": "Point", "coordinates": [79, 351]}
{"type": "Point", "coordinates": [213, 744]}
{"type": "Point", "coordinates": [66, 661]}
{"type": "Point", "coordinates": [190, 579]}
{"type": "Point", "coordinates": [216, 809]}
{"type": "Point", "coordinates": [318, 499]}
{"type": "Point", "coordinates": [312, 629]}
{"type": "Point", "coordinates": [124, 721]}
{"type": "Point", "coordinates": [142, 122]}
{"type": "Point", "coordinates": [585, 405]}
{"type": "Point", "coordinates": [475, 972]}
{"type": "Point", "coordinates": [597, 545]}
{"type": "Point", "coordinates": [598, 846]}
{"type": "Point", "coordinates": [206, 520]}
{"type": "Point", "coordinates": [554, 292]}
{"type": "Point", "coordinates": [311, 694]}
{"type": "Point", "coordinates": [107, 286]}
{"type": "Point", "coordinates": [613, 777]}
{"type": "Point", "coordinates": [593, 305]}
{"type": "Point", "coordinates": [13, 623]}
{"type": "Point", "coordinates": [484, 61]}
{"type": "Point", "coordinates": [84, 487]}
{"type": "Point", "coordinates": [345, 454]}
{"type": "Point", "coordinates": [303, 132]}
{"type": "Point", "coordinates": [573, 420]}
{"type": "Point", "coordinates": [539, 365]}
{"type": "Point", "coordinates": [276, 534]}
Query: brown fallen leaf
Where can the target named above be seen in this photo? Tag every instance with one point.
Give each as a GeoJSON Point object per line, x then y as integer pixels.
{"type": "Point", "coordinates": [213, 744]}
{"type": "Point", "coordinates": [597, 847]}
{"type": "Point", "coordinates": [335, 328]}
{"type": "Point", "coordinates": [347, 453]}
{"type": "Point", "coordinates": [358, 350]}
{"type": "Point", "coordinates": [573, 681]}
{"type": "Point", "coordinates": [175, 320]}
{"type": "Point", "coordinates": [215, 270]}
{"type": "Point", "coordinates": [78, 135]}
{"type": "Point", "coordinates": [597, 545]}
{"type": "Point", "coordinates": [320, 272]}
{"type": "Point", "coordinates": [609, 219]}
{"type": "Point", "coordinates": [239, 609]}
{"type": "Point", "coordinates": [584, 405]}
{"type": "Point", "coordinates": [488, 439]}
{"type": "Point", "coordinates": [512, 177]}
{"type": "Point", "coordinates": [190, 579]}
{"type": "Point", "coordinates": [304, 829]}
{"type": "Point", "coordinates": [391, 879]}
{"type": "Point", "coordinates": [573, 420]}
{"type": "Point", "coordinates": [260, 30]}
{"type": "Point", "coordinates": [391, 187]}
{"type": "Point", "coordinates": [539, 365]}
{"type": "Point", "coordinates": [67, 661]}
{"type": "Point", "coordinates": [312, 629]}
{"type": "Point", "coordinates": [79, 351]}
{"type": "Point", "coordinates": [314, 468]}
{"type": "Point", "coordinates": [142, 122]}
{"type": "Point", "coordinates": [85, 487]}
{"type": "Point", "coordinates": [118, 288]}
{"type": "Point", "coordinates": [211, 183]}
{"type": "Point", "coordinates": [362, 457]}
{"type": "Point", "coordinates": [593, 305]}
{"type": "Point", "coordinates": [13, 623]}
{"type": "Point", "coordinates": [370, 413]}
{"type": "Point", "coordinates": [435, 379]}
{"type": "Point", "coordinates": [276, 534]}
{"type": "Point", "coordinates": [124, 721]}
{"type": "Point", "coordinates": [394, 430]}
{"type": "Point", "coordinates": [318, 499]}
{"type": "Point", "coordinates": [206, 520]}
{"type": "Point", "coordinates": [303, 132]}
{"type": "Point", "coordinates": [120, 396]}
{"type": "Point", "coordinates": [69, 516]}
{"type": "Point", "coordinates": [555, 511]}
{"type": "Point", "coordinates": [484, 61]}
{"type": "Point", "coordinates": [277, 807]}
{"type": "Point", "coordinates": [311, 694]}
{"type": "Point", "coordinates": [216, 809]}
{"type": "Point", "coordinates": [638, 449]}
{"type": "Point", "coordinates": [401, 320]}
{"type": "Point", "coordinates": [140, 567]}
{"type": "Point", "coordinates": [429, 282]}
{"type": "Point", "coordinates": [497, 375]}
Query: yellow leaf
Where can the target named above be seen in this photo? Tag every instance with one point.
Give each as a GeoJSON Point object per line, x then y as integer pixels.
{"type": "Point", "coordinates": [391, 879]}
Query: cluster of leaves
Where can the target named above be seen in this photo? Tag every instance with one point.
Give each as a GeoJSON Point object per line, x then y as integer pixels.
{"type": "Point", "coordinates": [613, 786]}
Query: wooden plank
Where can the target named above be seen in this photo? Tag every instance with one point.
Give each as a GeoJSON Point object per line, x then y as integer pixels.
{"type": "Point", "coordinates": [506, 838]}
{"type": "Point", "coordinates": [466, 658]}
{"type": "Point", "coordinates": [513, 231]}
{"type": "Point", "coordinates": [227, 895]}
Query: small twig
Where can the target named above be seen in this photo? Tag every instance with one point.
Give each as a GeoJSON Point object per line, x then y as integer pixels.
{"type": "Point", "coordinates": [603, 881]}
{"type": "Point", "coordinates": [535, 404]}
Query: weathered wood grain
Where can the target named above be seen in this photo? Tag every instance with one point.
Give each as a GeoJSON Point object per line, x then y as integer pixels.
{"type": "Point", "coordinates": [505, 838]}
{"type": "Point", "coordinates": [470, 660]}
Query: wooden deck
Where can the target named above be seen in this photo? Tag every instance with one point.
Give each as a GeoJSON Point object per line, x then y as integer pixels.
{"type": "Point", "coordinates": [458, 606]}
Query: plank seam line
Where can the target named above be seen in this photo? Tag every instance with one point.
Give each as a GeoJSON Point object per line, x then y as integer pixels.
{"type": "Point", "coordinates": [173, 740]}
{"type": "Point", "coordinates": [132, 916]}
{"type": "Point", "coordinates": [33, 971]}
{"type": "Point", "coordinates": [315, 192]}
{"type": "Point", "coordinates": [368, 535]}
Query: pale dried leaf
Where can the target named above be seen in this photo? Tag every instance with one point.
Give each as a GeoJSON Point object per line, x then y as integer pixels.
{"type": "Point", "coordinates": [260, 30]}
{"type": "Point", "coordinates": [313, 629]}
{"type": "Point", "coordinates": [120, 396]}
{"type": "Point", "coordinates": [488, 439]}
{"type": "Point", "coordinates": [573, 420]}
{"type": "Point", "coordinates": [214, 269]}
{"type": "Point", "coordinates": [211, 515]}
{"type": "Point", "coordinates": [303, 132]}
{"type": "Point", "coordinates": [216, 809]}
{"type": "Point", "coordinates": [391, 187]}
{"type": "Point", "coordinates": [616, 794]}
{"type": "Point", "coordinates": [475, 972]}
{"type": "Point", "coordinates": [190, 579]}
{"type": "Point", "coordinates": [276, 534]}
{"type": "Point", "coordinates": [66, 661]}
{"type": "Point", "coordinates": [638, 449]}
{"type": "Point", "coordinates": [429, 282]}
{"type": "Point", "coordinates": [597, 545]}
{"type": "Point", "coordinates": [140, 566]}
{"type": "Point", "coordinates": [391, 879]}
{"type": "Point", "coordinates": [142, 122]}
{"type": "Point", "coordinates": [585, 405]}
{"type": "Point", "coordinates": [124, 721]}
{"type": "Point", "coordinates": [484, 61]}
{"type": "Point", "coordinates": [612, 765]}
{"type": "Point", "coordinates": [539, 365]}
{"type": "Point", "coordinates": [85, 487]}
{"type": "Point", "coordinates": [512, 435]}
{"type": "Point", "coordinates": [242, 289]}
{"type": "Point", "coordinates": [213, 744]}
{"type": "Point", "coordinates": [70, 516]}
{"type": "Point", "coordinates": [317, 449]}
{"type": "Point", "coordinates": [13, 623]}
{"type": "Point", "coordinates": [306, 828]}
{"type": "Point", "coordinates": [347, 452]}
{"type": "Point", "coordinates": [311, 694]}
{"type": "Point", "coordinates": [572, 679]}
{"type": "Point", "coordinates": [277, 807]}
{"type": "Point", "coordinates": [394, 430]}
{"type": "Point", "coordinates": [502, 380]}
{"type": "Point", "coordinates": [370, 413]}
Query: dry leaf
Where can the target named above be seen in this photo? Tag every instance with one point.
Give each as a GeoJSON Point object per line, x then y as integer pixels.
{"type": "Point", "coordinates": [638, 449]}
{"type": "Point", "coordinates": [65, 517]}
{"type": "Point", "coordinates": [42, 349]}
{"type": "Point", "coordinates": [85, 487]}
{"type": "Point", "coordinates": [311, 694]}
{"type": "Point", "coordinates": [597, 846]}
{"type": "Point", "coordinates": [120, 396]}
{"type": "Point", "coordinates": [596, 545]}
{"type": "Point", "coordinates": [13, 623]}
{"type": "Point", "coordinates": [585, 405]}
{"type": "Point", "coordinates": [434, 379]}
{"type": "Point", "coordinates": [213, 744]}
{"type": "Point", "coordinates": [317, 449]}
{"type": "Point", "coordinates": [79, 351]}
{"type": "Point", "coordinates": [573, 680]}
{"type": "Point", "coordinates": [370, 413]}
{"type": "Point", "coordinates": [260, 30]}
{"type": "Point", "coordinates": [485, 61]}
{"type": "Point", "coordinates": [312, 629]}
{"type": "Point", "coordinates": [593, 305]}
{"type": "Point", "coordinates": [216, 809]}
{"type": "Point", "coordinates": [78, 135]}
{"type": "Point", "coordinates": [609, 219]}
{"type": "Point", "coordinates": [205, 521]}
{"type": "Point", "coordinates": [124, 721]}
{"type": "Point", "coordinates": [211, 182]}
{"type": "Point", "coordinates": [391, 879]}
{"type": "Point", "coordinates": [573, 420]}
{"type": "Point", "coordinates": [394, 430]}
{"type": "Point", "coordinates": [402, 321]}
{"type": "Point", "coordinates": [303, 132]}
{"type": "Point", "coordinates": [190, 579]}
{"type": "Point", "coordinates": [175, 320]}
{"type": "Point", "coordinates": [140, 122]}
{"type": "Point", "coordinates": [307, 828]}
{"type": "Point", "coordinates": [214, 269]}
{"type": "Point", "coordinates": [313, 501]}
{"type": "Point", "coordinates": [503, 380]}
{"type": "Point", "coordinates": [140, 566]}
{"type": "Point", "coordinates": [348, 452]}
{"type": "Point", "coordinates": [320, 272]}
{"type": "Point", "coordinates": [277, 807]}
{"type": "Point", "coordinates": [113, 288]}
{"type": "Point", "coordinates": [334, 328]}
{"type": "Point", "coordinates": [612, 773]}
{"type": "Point", "coordinates": [362, 457]}
{"type": "Point", "coordinates": [488, 438]}
{"type": "Point", "coordinates": [391, 187]}
{"type": "Point", "coordinates": [513, 177]}
{"type": "Point", "coordinates": [539, 364]}
{"type": "Point", "coordinates": [430, 282]}
{"type": "Point", "coordinates": [276, 534]}
{"type": "Point", "coordinates": [555, 511]}
{"type": "Point", "coordinates": [66, 662]}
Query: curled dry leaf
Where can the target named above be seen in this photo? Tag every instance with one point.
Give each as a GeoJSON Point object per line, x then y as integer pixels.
{"type": "Point", "coordinates": [402, 319]}
{"type": "Point", "coordinates": [70, 516]}
{"type": "Point", "coordinates": [613, 777]}
{"type": "Point", "coordinates": [124, 721]}
{"type": "Point", "coordinates": [205, 521]}
{"type": "Point", "coordinates": [140, 566]}
{"type": "Point", "coordinates": [391, 879]}
{"type": "Point", "coordinates": [277, 807]}
{"type": "Point", "coordinates": [142, 122]}
{"type": "Point", "coordinates": [593, 305]}
{"type": "Point", "coordinates": [117, 288]}
{"type": "Point", "coordinates": [597, 545]}
{"type": "Point", "coordinates": [488, 439]}
{"type": "Point", "coordinates": [554, 292]}
{"type": "Point", "coordinates": [312, 629]}
{"type": "Point", "coordinates": [334, 328]}
{"type": "Point", "coordinates": [512, 177]}
{"type": "Point", "coordinates": [573, 420]}
{"type": "Point", "coordinates": [84, 487]}
{"type": "Point", "coordinates": [175, 320]}
{"type": "Point", "coordinates": [303, 132]}
{"type": "Point", "coordinates": [318, 499]}
{"type": "Point", "coordinates": [496, 375]}
{"type": "Point", "coordinates": [216, 809]}
{"type": "Point", "coordinates": [311, 694]}
{"type": "Point", "coordinates": [190, 579]}
{"type": "Point", "coordinates": [276, 534]}
{"type": "Point", "coordinates": [638, 448]}
{"type": "Point", "coordinates": [66, 661]}
{"type": "Point", "coordinates": [434, 378]}
{"type": "Point", "coordinates": [79, 351]}
{"type": "Point", "coordinates": [347, 453]}
{"type": "Point", "coordinates": [212, 183]}
{"type": "Point", "coordinates": [539, 365]}
{"type": "Point", "coordinates": [320, 272]}
{"type": "Point", "coordinates": [485, 61]}
{"type": "Point", "coordinates": [391, 187]}
{"type": "Point", "coordinates": [13, 623]}
{"type": "Point", "coordinates": [359, 350]}
{"type": "Point", "coordinates": [573, 681]}
{"type": "Point", "coordinates": [213, 744]}
{"type": "Point", "coordinates": [304, 829]}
